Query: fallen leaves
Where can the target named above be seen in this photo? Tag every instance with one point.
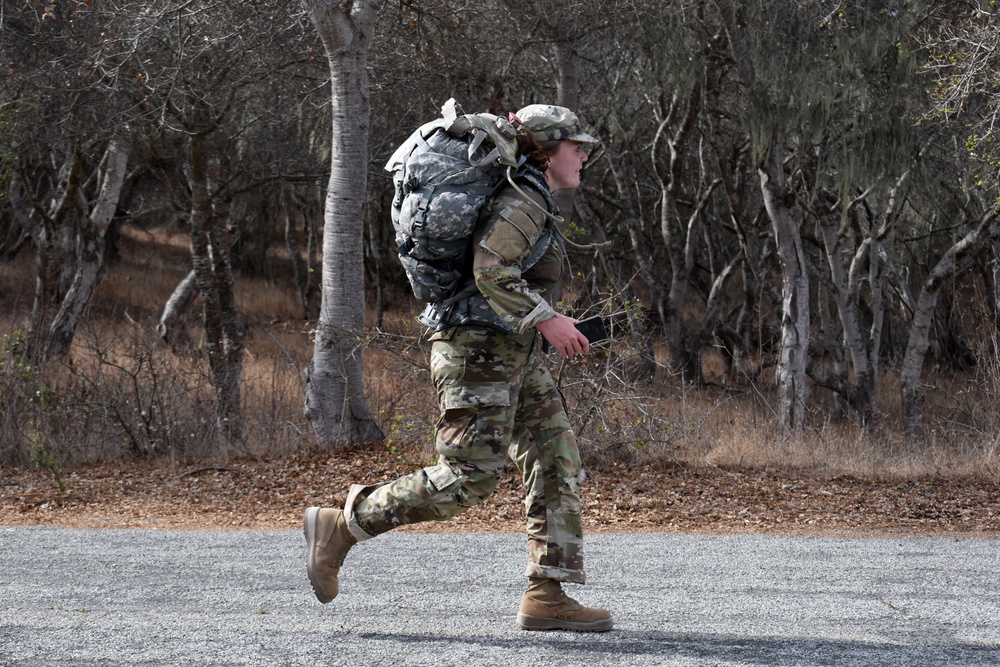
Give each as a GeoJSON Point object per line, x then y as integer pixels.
{"type": "Point", "coordinates": [273, 493]}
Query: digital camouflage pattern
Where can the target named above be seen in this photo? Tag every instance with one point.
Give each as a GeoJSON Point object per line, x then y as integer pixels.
{"type": "Point", "coordinates": [497, 399]}
{"type": "Point", "coordinates": [438, 199]}
{"type": "Point", "coordinates": [512, 294]}
{"type": "Point", "coordinates": [518, 261]}
{"type": "Point", "coordinates": [443, 174]}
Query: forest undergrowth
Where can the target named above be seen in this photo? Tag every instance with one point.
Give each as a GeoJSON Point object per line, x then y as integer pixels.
{"type": "Point", "coordinates": [125, 395]}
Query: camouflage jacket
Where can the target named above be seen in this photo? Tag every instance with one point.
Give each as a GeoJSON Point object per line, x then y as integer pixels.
{"type": "Point", "coordinates": [517, 263]}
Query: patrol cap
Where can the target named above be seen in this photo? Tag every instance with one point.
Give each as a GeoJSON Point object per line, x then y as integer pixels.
{"type": "Point", "coordinates": [552, 123]}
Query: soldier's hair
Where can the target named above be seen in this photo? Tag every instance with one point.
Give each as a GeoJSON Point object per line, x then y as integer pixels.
{"type": "Point", "coordinates": [535, 153]}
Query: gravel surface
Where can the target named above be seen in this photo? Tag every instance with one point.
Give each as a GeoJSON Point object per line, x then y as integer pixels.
{"type": "Point", "coordinates": [149, 597]}
{"type": "Point", "coordinates": [700, 566]}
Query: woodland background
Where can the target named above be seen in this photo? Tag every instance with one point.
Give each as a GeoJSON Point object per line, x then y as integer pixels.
{"type": "Point", "coordinates": [800, 197]}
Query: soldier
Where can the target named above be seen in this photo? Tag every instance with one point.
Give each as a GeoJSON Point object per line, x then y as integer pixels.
{"type": "Point", "coordinates": [497, 397]}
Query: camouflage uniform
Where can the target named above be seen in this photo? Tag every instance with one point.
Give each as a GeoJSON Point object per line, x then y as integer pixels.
{"type": "Point", "coordinates": [496, 395]}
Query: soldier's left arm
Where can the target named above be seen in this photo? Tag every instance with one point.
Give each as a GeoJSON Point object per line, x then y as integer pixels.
{"type": "Point", "coordinates": [505, 245]}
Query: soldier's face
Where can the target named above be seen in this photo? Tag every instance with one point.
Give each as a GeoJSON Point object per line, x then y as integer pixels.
{"type": "Point", "coordinates": [565, 165]}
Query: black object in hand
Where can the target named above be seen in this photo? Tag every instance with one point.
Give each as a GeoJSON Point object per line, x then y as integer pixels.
{"type": "Point", "coordinates": [593, 328]}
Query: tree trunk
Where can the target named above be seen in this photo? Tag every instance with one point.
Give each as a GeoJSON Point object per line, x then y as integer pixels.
{"type": "Point", "coordinates": [377, 239]}
{"type": "Point", "coordinates": [923, 318]}
{"type": "Point", "coordinates": [169, 326]}
{"type": "Point", "coordinates": [995, 296]}
{"type": "Point", "coordinates": [314, 258]}
{"type": "Point", "coordinates": [827, 329]}
{"type": "Point", "coordinates": [44, 225]}
{"type": "Point", "coordinates": [15, 234]}
{"type": "Point", "coordinates": [794, 357]}
{"type": "Point", "coordinates": [335, 401]}
{"type": "Point", "coordinates": [568, 67]}
{"type": "Point", "coordinates": [953, 348]}
{"type": "Point", "coordinates": [90, 257]}
{"type": "Point", "coordinates": [677, 237]}
{"type": "Point", "coordinates": [793, 390]}
{"type": "Point", "coordinates": [861, 393]}
{"type": "Point", "coordinates": [732, 175]}
{"type": "Point", "coordinates": [213, 273]}
{"type": "Point", "coordinates": [673, 304]}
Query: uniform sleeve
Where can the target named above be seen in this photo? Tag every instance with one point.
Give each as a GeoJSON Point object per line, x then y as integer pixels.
{"type": "Point", "coordinates": [509, 233]}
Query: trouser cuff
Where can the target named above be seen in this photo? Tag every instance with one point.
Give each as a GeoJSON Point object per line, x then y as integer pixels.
{"type": "Point", "coordinates": [352, 522]}
{"type": "Point", "coordinates": [560, 574]}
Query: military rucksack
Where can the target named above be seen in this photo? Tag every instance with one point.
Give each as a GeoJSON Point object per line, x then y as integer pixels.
{"type": "Point", "coordinates": [443, 174]}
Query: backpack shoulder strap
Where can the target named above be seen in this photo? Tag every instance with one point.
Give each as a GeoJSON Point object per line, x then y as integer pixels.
{"type": "Point", "coordinates": [534, 178]}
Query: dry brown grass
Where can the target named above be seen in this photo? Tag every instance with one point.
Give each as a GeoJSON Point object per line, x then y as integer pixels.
{"type": "Point", "coordinates": [124, 394]}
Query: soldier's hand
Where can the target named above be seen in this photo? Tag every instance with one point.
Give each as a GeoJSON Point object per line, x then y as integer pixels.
{"type": "Point", "coordinates": [564, 336]}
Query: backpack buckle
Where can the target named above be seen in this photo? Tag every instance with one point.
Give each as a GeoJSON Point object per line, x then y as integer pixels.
{"type": "Point", "coordinates": [505, 128]}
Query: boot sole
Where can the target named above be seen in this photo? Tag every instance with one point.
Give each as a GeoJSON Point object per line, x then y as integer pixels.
{"type": "Point", "coordinates": [309, 522]}
{"type": "Point", "coordinates": [526, 622]}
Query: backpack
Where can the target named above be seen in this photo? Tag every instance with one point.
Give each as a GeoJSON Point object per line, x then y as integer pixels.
{"type": "Point", "coordinates": [443, 174]}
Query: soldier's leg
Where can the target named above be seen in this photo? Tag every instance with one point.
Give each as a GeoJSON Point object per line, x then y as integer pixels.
{"type": "Point", "coordinates": [477, 374]}
{"type": "Point", "coordinates": [434, 493]}
{"type": "Point", "coordinates": [546, 452]}
{"type": "Point", "coordinates": [474, 372]}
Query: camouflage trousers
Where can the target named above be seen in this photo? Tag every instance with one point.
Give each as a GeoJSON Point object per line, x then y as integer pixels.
{"type": "Point", "coordinates": [497, 399]}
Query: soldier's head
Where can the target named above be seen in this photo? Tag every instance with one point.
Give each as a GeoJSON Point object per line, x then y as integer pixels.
{"type": "Point", "coordinates": [555, 143]}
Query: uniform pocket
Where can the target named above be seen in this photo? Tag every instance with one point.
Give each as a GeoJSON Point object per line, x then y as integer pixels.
{"type": "Point", "coordinates": [474, 424]}
{"type": "Point", "coordinates": [512, 235]}
{"type": "Point", "coordinates": [475, 395]}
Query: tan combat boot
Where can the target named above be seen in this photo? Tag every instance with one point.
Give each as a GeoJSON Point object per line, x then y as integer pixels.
{"type": "Point", "coordinates": [544, 606]}
{"type": "Point", "coordinates": [328, 540]}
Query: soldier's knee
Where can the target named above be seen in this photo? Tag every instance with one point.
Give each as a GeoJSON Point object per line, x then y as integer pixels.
{"type": "Point", "coordinates": [467, 483]}
{"type": "Point", "coordinates": [478, 487]}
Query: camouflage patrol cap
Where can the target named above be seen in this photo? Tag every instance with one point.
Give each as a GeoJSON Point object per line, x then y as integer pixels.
{"type": "Point", "coordinates": [552, 123]}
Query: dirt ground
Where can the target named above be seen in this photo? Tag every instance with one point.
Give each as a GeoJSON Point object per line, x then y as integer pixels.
{"type": "Point", "coordinates": [273, 493]}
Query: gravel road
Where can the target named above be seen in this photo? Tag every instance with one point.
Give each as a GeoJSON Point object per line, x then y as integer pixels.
{"type": "Point", "coordinates": [146, 597]}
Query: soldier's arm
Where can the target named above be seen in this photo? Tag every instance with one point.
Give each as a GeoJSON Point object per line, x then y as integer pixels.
{"type": "Point", "coordinates": [503, 247]}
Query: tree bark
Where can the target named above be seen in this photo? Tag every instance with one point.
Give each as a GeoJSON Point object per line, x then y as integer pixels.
{"type": "Point", "coordinates": [292, 216]}
{"type": "Point", "coordinates": [179, 302]}
{"type": "Point", "coordinates": [90, 253]}
{"type": "Point", "coordinates": [335, 401]}
{"type": "Point", "coordinates": [43, 224]}
{"type": "Point", "coordinates": [860, 394]}
{"type": "Point", "coordinates": [213, 273]}
{"type": "Point", "coordinates": [923, 317]}
{"type": "Point", "coordinates": [678, 238]}
{"type": "Point", "coordinates": [568, 67]}
{"type": "Point", "coordinates": [995, 297]}
{"type": "Point", "coordinates": [15, 235]}
{"type": "Point", "coordinates": [794, 355]}
{"type": "Point", "coordinates": [734, 336]}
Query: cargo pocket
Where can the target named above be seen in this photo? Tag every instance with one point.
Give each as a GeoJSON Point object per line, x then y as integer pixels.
{"type": "Point", "coordinates": [443, 477]}
{"type": "Point", "coordinates": [473, 424]}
